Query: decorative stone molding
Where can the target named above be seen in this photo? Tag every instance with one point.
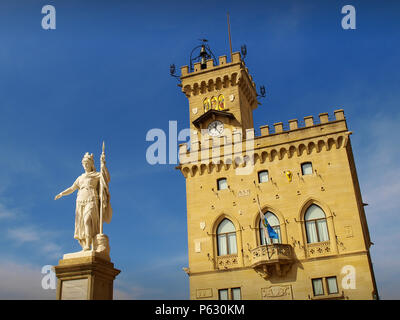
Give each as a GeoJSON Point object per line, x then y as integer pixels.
{"type": "Point", "coordinates": [224, 162]}
{"type": "Point", "coordinates": [272, 251]}
{"type": "Point", "coordinates": [319, 249]}
{"type": "Point", "coordinates": [204, 293]}
{"type": "Point", "coordinates": [227, 261]}
{"type": "Point", "coordinates": [277, 292]}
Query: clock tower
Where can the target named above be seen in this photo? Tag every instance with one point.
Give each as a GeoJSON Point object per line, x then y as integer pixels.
{"type": "Point", "coordinates": [221, 97]}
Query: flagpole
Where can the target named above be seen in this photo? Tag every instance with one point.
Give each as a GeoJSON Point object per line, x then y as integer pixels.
{"type": "Point", "coordinates": [229, 33]}
{"type": "Point", "coordinates": [266, 235]}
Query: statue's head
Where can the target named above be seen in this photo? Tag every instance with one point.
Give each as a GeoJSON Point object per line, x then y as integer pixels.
{"type": "Point", "coordinates": [88, 162]}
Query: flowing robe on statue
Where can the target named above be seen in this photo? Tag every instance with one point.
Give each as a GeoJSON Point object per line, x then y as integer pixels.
{"type": "Point", "coordinates": [105, 194]}
{"type": "Point", "coordinates": [87, 204]}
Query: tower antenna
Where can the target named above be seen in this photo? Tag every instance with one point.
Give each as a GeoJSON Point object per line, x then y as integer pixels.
{"type": "Point", "coordinates": [229, 32]}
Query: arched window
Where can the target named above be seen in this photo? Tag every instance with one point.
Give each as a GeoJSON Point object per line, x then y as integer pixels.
{"type": "Point", "coordinates": [226, 238]}
{"type": "Point", "coordinates": [274, 223]}
{"type": "Point", "coordinates": [316, 227]}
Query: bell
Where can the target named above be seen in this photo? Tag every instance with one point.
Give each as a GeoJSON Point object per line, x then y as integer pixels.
{"type": "Point", "coordinates": [203, 55]}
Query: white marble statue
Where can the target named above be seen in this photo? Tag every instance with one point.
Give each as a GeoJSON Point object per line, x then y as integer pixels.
{"type": "Point", "coordinates": [92, 205]}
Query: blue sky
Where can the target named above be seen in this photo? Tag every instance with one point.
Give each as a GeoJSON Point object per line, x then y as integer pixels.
{"type": "Point", "coordinates": [103, 74]}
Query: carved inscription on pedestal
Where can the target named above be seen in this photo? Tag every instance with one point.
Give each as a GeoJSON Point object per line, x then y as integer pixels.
{"type": "Point", "coordinates": [76, 289]}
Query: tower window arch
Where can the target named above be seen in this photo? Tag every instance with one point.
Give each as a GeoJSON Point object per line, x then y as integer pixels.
{"type": "Point", "coordinates": [226, 238]}
{"type": "Point", "coordinates": [274, 223]}
{"type": "Point", "coordinates": [315, 223]}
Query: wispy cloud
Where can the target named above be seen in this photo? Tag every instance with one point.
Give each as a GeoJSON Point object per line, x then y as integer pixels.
{"type": "Point", "coordinates": [53, 249]}
{"type": "Point", "coordinates": [23, 234]}
{"type": "Point", "coordinates": [43, 240]}
{"type": "Point", "coordinates": [6, 213]}
{"type": "Point", "coordinates": [22, 281]}
{"type": "Point", "coordinates": [162, 262]}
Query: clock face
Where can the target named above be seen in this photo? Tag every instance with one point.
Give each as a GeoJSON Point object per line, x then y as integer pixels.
{"type": "Point", "coordinates": [215, 128]}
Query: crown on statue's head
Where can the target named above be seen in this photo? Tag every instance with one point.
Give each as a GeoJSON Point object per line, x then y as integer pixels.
{"type": "Point", "coordinates": [88, 157]}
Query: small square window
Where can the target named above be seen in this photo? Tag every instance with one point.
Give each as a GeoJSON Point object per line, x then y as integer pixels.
{"type": "Point", "coordinates": [317, 287]}
{"type": "Point", "coordinates": [332, 285]}
{"type": "Point", "coordinates": [222, 184]}
{"type": "Point", "coordinates": [223, 294]}
{"type": "Point", "coordinates": [306, 168]}
{"type": "Point", "coordinates": [263, 176]}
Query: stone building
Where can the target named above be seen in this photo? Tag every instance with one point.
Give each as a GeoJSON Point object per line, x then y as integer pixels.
{"type": "Point", "coordinates": [305, 178]}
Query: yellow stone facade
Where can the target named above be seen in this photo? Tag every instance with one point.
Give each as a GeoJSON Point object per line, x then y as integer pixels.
{"type": "Point", "coordinates": [285, 270]}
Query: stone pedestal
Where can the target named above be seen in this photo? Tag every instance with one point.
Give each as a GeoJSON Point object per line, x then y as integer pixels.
{"type": "Point", "coordinates": [86, 275]}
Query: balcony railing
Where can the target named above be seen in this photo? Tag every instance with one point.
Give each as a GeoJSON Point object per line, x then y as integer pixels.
{"type": "Point", "coordinates": [267, 259]}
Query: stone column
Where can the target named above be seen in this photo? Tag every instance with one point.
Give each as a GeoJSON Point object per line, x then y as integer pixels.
{"type": "Point", "coordinates": [86, 275]}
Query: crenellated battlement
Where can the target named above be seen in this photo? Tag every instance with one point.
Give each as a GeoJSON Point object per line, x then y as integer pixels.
{"type": "Point", "coordinates": [213, 65]}
{"type": "Point", "coordinates": [217, 76]}
{"type": "Point", "coordinates": [232, 150]}
{"type": "Point", "coordinates": [307, 122]}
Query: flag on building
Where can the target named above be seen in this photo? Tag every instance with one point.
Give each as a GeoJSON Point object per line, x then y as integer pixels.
{"type": "Point", "coordinates": [269, 232]}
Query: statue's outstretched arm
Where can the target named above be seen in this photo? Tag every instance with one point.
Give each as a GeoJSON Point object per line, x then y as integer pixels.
{"type": "Point", "coordinates": [66, 191]}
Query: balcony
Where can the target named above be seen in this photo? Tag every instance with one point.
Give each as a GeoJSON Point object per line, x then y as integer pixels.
{"type": "Point", "coordinates": [274, 258]}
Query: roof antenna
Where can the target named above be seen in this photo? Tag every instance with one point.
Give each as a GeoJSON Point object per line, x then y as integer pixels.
{"type": "Point", "coordinates": [229, 32]}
